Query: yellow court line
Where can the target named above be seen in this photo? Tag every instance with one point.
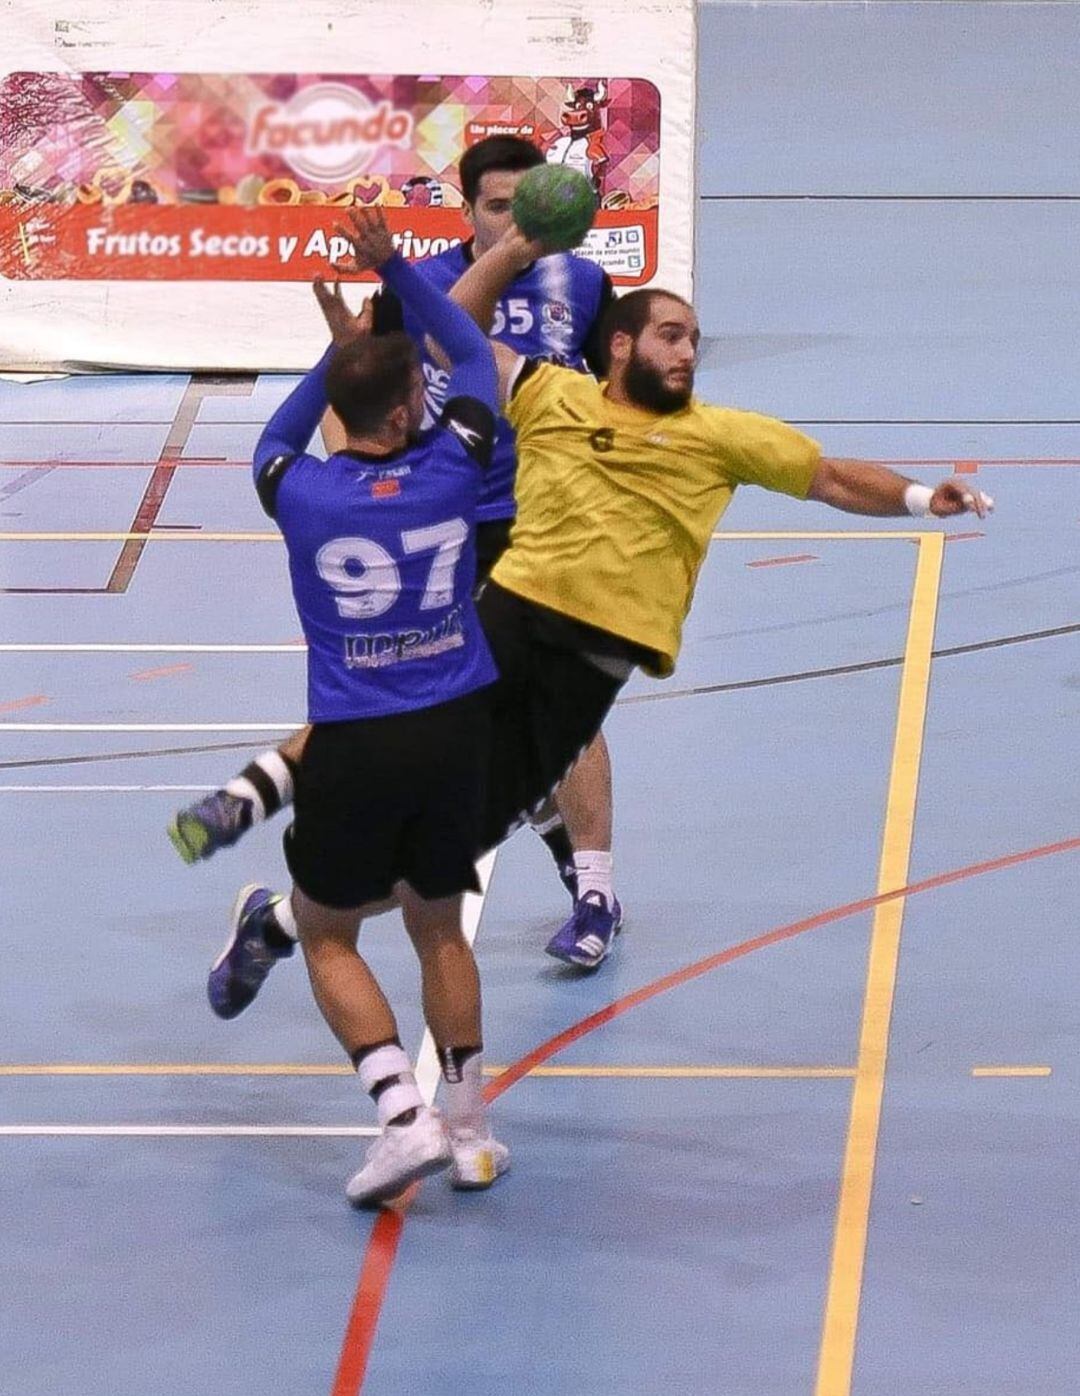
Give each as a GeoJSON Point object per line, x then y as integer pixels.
{"type": "Point", "coordinates": [1010, 1071]}
{"type": "Point", "coordinates": [175, 1069]}
{"type": "Point", "coordinates": [161, 534]}
{"type": "Point", "coordinates": [333, 1069]}
{"type": "Point", "coordinates": [825, 535]}
{"type": "Point", "coordinates": [690, 1073]}
{"type": "Point", "coordinates": [837, 1352]}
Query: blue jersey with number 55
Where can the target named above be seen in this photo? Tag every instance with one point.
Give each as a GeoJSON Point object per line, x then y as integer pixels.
{"type": "Point", "coordinates": [551, 310]}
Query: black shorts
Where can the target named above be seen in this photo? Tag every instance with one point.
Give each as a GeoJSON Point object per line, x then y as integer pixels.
{"type": "Point", "coordinates": [492, 540]}
{"type": "Point", "coordinates": [386, 799]}
{"type": "Point", "coordinates": [547, 706]}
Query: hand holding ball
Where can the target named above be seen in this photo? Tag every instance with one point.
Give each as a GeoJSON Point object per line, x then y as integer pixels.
{"type": "Point", "coordinates": [554, 205]}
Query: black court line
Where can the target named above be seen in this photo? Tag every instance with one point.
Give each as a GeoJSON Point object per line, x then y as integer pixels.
{"type": "Point", "coordinates": [841, 669]}
{"type": "Point", "coordinates": [27, 478]}
{"type": "Point", "coordinates": [735, 687]}
{"type": "Point", "coordinates": [200, 386]}
{"type": "Point", "coordinates": [130, 755]}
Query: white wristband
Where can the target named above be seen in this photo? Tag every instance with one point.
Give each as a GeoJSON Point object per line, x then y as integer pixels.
{"type": "Point", "coordinates": [917, 500]}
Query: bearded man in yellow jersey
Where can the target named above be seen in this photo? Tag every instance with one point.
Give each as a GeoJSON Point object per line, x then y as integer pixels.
{"type": "Point", "coordinates": [620, 484]}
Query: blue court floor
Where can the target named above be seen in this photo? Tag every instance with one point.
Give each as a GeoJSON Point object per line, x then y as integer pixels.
{"type": "Point", "coordinates": [811, 1131]}
{"type": "Point", "coordinates": [173, 1184]}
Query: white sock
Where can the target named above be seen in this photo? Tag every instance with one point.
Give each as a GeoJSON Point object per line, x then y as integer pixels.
{"type": "Point", "coordinates": [386, 1074]}
{"type": "Point", "coordinates": [266, 784]}
{"type": "Point", "coordinates": [462, 1088]}
{"type": "Point", "coordinates": [282, 915]}
{"type": "Point", "coordinates": [593, 868]}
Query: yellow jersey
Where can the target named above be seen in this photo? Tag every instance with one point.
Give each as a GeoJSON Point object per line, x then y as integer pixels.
{"type": "Point", "coordinates": [616, 505]}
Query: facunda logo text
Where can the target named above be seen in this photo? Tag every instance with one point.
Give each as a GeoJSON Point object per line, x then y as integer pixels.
{"type": "Point", "coordinates": [327, 132]}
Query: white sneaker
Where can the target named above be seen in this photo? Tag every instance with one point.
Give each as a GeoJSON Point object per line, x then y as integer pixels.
{"type": "Point", "coordinates": [478, 1158]}
{"type": "Point", "coordinates": [400, 1155]}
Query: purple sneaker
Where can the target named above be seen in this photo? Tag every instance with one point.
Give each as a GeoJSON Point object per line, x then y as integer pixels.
{"type": "Point", "coordinates": [212, 823]}
{"type": "Point", "coordinates": [237, 974]}
{"type": "Point", "coordinates": [586, 939]}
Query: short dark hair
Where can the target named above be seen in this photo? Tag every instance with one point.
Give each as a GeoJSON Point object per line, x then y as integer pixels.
{"type": "Point", "coordinates": [369, 377]}
{"type": "Point", "coordinates": [629, 314]}
{"type": "Point", "coordinates": [495, 153]}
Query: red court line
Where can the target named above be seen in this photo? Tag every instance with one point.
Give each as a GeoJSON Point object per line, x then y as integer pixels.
{"type": "Point", "coordinates": [192, 463]}
{"type": "Point", "coordinates": [163, 673]}
{"type": "Point", "coordinates": [364, 1315]}
{"type": "Point", "coordinates": [34, 701]}
{"type": "Point", "coordinates": [145, 518]}
{"type": "Point", "coordinates": [962, 537]}
{"type": "Point", "coordinates": [386, 1233]}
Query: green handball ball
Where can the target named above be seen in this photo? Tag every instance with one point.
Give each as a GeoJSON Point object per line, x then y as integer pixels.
{"type": "Point", "coordinates": [555, 205]}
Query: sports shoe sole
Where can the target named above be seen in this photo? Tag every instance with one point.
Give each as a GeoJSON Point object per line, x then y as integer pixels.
{"type": "Point", "coordinates": [189, 838]}
{"type": "Point", "coordinates": [391, 1190]}
{"type": "Point", "coordinates": [568, 958]}
{"type": "Point", "coordinates": [234, 922]}
{"type": "Point", "coordinates": [487, 1169]}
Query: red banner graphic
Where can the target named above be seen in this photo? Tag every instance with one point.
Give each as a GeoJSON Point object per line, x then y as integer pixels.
{"type": "Point", "coordinates": [140, 242]}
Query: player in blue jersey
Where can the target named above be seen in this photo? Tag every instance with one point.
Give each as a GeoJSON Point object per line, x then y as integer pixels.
{"type": "Point", "coordinates": [388, 799]}
{"type": "Point", "coordinates": [552, 309]}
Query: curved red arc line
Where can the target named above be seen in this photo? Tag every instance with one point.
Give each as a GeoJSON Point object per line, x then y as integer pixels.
{"type": "Point", "coordinates": [554, 1045]}
{"type": "Point", "coordinates": [382, 1246]}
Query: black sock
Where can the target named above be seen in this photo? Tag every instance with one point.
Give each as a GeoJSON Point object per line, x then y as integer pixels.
{"type": "Point", "coordinates": [559, 845]}
{"type": "Point", "coordinates": [275, 937]}
{"type": "Point", "coordinates": [267, 790]}
{"type": "Point", "coordinates": [452, 1059]}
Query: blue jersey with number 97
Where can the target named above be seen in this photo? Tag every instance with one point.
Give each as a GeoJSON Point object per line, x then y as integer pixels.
{"type": "Point", "coordinates": [382, 561]}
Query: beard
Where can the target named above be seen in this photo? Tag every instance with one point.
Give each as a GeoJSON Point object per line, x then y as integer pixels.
{"type": "Point", "coordinates": [645, 386]}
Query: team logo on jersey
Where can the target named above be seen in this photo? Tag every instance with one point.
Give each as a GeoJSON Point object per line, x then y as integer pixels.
{"type": "Point", "coordinates": [385, 489]}
{"type": "Point", "coordinates": [557, 325]}
{"type": "Point", "coordinates": [465, 434]}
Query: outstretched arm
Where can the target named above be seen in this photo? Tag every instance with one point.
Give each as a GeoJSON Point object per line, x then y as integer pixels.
{"type": "Point", "coordinates": [478, 289]}
{"type": "Point", "coordinates": [289, 430]}
{"type": "Point", "coordinates": [862, 487]}
{"type": "Point", "coordinates": [463, 343]}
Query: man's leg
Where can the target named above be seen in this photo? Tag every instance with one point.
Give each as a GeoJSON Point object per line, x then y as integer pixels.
{"type": "Point", "coordinates": [413, 1142]}
{"type": "Point", "coordinates": [256, 793]}
{"type": "Point", "coordinates": [265, 785]}
{"type": "Point", "coordinates": [585, 801]}
{"type": "Point", "coordinates": [450, 986]}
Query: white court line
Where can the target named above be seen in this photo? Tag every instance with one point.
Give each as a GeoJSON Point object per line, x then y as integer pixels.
{"type": "Point", "coordinates": [196, 1131]}
{"type": "Point", "coordinates": [290, 725]}
{"type": "Point", "coordinates": [103, 789]}
{"type": "Point", "coordinates": [428, 1071]}
{"type": "Point", "coordinates": [296, 648]}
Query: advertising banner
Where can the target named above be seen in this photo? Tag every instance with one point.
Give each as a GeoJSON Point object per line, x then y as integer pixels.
{"type": "Point", "coordinates": [190, 176]}
{"type": "Point", "coordinates": [173, 174]}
